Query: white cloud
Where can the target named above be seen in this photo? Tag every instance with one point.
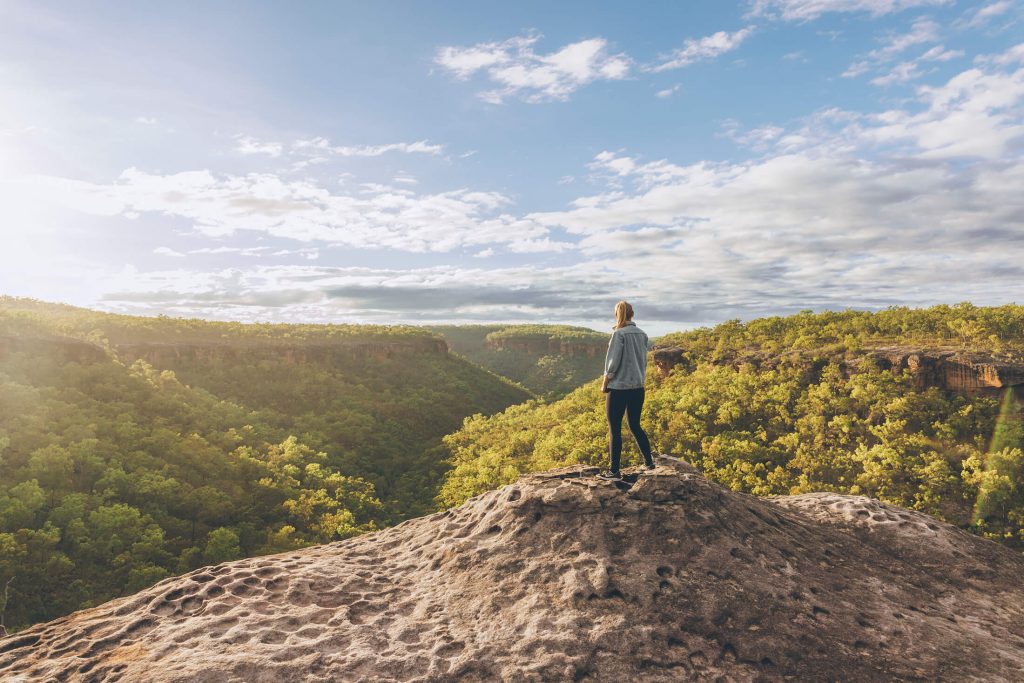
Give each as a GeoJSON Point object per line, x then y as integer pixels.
{"type": "Point", "coordinates": [896, 207]}
{"type": "Point", "coordinates": [167, 251]}
{"type": "Point", "coordinates": [806, 10]}
{"type": "Point", "coordinates": [319, 145]}
{"type": "Point", "coordinates": [700, 49]}
{"type": "Point", "coordinates": [913, 205]}
{"type": "Point", "coordinates": [923, 31]}
{"type": "Point", "coordinates": [377, 216]}
{"type": "Point", "coordinates": [147, 120]}
{"type": "Point", "coordinates": [245, 144]}
{"type": "Point", "coordinates": [311, 293]}
{"type": "Point", "coordinates": [1015, 55]}
{"type": "Point", "coordinates": [980, 16]}
{"type": "Point", "coordinates": [910, 70]}
{"type": "Point", "coordinates": [757, 138]}
{"type": "Point", "coordinates": [668, 92]}
{"type": "Point", "coordinates": [519, 71]}
{"type": "Point", "coordinates": [941, 54]}
{"type": "Point", "coordinates": [310, 253]}
{"type": "Point", "coordinates": [242, 251]}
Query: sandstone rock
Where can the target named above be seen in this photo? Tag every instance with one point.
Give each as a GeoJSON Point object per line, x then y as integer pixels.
{"type": "Point", "coordinates": [563, 577]}
{"type": "Point", "coordinates": [667, 357]}
{"type": "Point", "coordinates": [952, 369]}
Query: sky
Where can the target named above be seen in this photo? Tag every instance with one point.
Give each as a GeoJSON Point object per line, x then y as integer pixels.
{"type": "Point", "coordinates": [419, 162]}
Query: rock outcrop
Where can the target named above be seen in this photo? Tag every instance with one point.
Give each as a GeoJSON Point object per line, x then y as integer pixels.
{"type": "Point", "coordinates": [667, 357]}
{"type": "Point", "coordinates": [563, 577]}
{"type": "Point", "coordinates": [951, 369]}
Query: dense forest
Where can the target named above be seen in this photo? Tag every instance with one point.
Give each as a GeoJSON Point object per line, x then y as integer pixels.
{"type": "Point", "coordinates": [548, 360]}
{"type": "Point", "coordinates": [135, 448]}
{"type": "Point", "coordinates": [780, 405]}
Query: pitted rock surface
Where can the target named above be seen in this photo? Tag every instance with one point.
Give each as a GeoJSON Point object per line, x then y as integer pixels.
{"type": "Point", "coordinates": [564, 577]}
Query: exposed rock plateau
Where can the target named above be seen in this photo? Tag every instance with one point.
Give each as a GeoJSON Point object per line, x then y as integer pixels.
{"type": "Point", "coordinates": [563, 577]}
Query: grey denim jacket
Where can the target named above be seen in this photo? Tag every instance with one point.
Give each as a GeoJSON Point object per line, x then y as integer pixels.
{"type": "Point", "coordinates": [625, 364]}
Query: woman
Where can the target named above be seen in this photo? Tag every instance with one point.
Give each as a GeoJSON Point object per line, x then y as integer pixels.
{"type": "Point", "coordinates": [625, 368]}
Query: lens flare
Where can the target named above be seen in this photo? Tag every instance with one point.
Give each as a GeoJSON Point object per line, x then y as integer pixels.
{"type": "Point", "coordinates": [1008, 419]}
{"type": "Point", "coordinates": [1005, 433]}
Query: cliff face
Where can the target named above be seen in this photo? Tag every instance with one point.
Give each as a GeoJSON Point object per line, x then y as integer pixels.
{"type": "Point", "coordinates": [61, 347]}
{"type": "Point", "coordinates": [561, 576]}
{"type": "Point", "coordinates": [951, 369]}
{"type": "Point", "coordinates": [553, 347]}
{"type": "Point", "coordinates": [161, 355]}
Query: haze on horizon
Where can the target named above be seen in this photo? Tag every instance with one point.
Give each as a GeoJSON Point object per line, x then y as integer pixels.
{"type": "Point", "coordinates": [430, 162]}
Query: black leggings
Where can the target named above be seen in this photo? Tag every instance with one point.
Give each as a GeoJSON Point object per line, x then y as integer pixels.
{"type": "Point", "coordinates": [629, 401]}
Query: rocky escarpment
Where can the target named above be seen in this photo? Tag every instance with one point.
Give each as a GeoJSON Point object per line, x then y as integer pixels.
{"type": "Point", "coordinates": [164, 354]}
{"type": "Point", "coordinates": [554, 347]}
{"type": "Point", "coordinates": [952, 369]}
{"type": "Point", "coordinates": [59, 347]}
{"type": "Point", "coordinates": [949, 368]}
{"type": "Point", "coordinates": [562, 577]}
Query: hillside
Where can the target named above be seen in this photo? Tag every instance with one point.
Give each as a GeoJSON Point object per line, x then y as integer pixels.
{"type": "Point", "coordinates": [136, 448]}
{"type": "Point", "coordinates": [549, 360]}
{"type": "Point", "coordinates": [826, 402]}
{"type": "Point", "coordinates": [562, 577]}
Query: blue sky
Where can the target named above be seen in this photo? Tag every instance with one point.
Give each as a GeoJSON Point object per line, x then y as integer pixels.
{"type": "Point", "coordinates": [476, 162]}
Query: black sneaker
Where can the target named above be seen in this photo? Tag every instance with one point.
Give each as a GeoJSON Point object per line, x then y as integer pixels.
{"type": "Point", "coordinates": [610, 476]}
{"type": "Point", "coordinates": [648, 468]}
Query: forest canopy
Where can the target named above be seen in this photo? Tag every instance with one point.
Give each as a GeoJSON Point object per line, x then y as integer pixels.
{"type": "Point", "coordinates": [132, 449]}
{"type": "Point", "coordinates": [770, 407]}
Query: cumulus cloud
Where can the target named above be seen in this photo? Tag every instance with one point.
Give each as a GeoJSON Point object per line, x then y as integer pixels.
{"type": "Point", "coordinates": [701, 49]}
{"type": "Point", "coordinates": [846, 207]}
{"type": "Point", "coordinates": [916, 204]}
{"type": "Point", "coordinates": [377, 216]}
{"type": "Point", "coordinates": [245, 144]}
{"type": "Point", "coordinates": [806, 10]}
{"type": "Point", "coordinates": [519, 71]}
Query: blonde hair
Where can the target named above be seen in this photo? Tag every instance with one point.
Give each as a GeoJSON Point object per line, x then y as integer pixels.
{"type": "Point", "coordinates": [623, 314]}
